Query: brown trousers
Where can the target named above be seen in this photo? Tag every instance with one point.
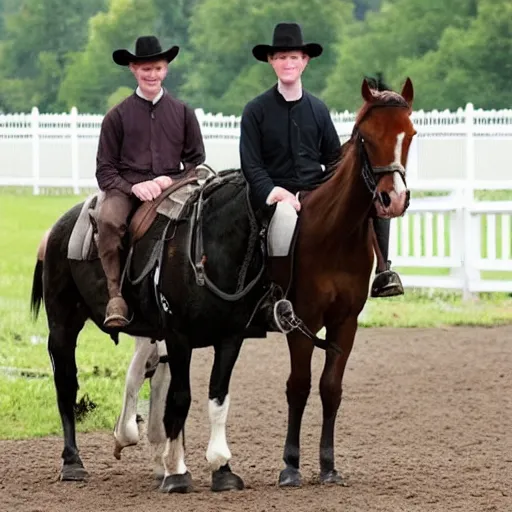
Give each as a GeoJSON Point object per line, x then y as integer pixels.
{"type": "Point", "coordinates": [112, 224]}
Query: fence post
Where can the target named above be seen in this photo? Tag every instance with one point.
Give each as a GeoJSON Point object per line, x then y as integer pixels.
{"type": "Point", "coordinates": [470, 252]}
{"type": "Point", "coordinates": [36, 157]}
{"type": "Point", "coordinates": [75, 171]}
{"type": "Point", "coordinates": [200, 117]}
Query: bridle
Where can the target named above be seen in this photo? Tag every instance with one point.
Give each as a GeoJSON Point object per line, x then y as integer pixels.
{"type": "Point", "coordinates": [369, 172]}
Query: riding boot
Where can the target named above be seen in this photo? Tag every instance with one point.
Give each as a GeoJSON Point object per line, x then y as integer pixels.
{"type": "Point", "coordinates": [387, 283]}
{"type": "Point", "coordinates": [112, 226]}
{"type": "Point", "coordinates": [116, 314]}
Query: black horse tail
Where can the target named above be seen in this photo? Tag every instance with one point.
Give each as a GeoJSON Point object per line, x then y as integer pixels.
{"type": "Point", "coordinates": [37, 290]}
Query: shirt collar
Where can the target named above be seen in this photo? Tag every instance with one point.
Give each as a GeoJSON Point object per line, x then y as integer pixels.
{"type": "Point", "coordinates": [156, 98]}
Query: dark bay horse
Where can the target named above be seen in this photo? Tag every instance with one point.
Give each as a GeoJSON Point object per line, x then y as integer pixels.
{"type": "Point", "coordinates": [332, 266]}
{"type": "Point", "coordinates": [185, 315]}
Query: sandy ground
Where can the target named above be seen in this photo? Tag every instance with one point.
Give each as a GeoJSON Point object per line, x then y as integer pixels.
{"type": "Point", "coordinates": [425, 425]}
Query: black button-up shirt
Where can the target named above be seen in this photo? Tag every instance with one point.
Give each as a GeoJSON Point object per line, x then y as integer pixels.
{"type": "Point", "coordinates": [286, 144]}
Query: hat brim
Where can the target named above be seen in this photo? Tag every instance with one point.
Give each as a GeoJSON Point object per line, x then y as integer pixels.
{"type": "Point", "coordinates": [261, 51]}
{"type": "Point", "coordinates": [124, 57]}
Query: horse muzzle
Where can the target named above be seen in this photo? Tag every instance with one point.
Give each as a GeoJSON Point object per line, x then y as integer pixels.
{"type": "Point", "coordinates": [391, 204]}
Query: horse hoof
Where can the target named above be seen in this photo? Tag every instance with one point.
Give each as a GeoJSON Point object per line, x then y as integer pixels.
{"type": "Point", "coordinates": [290, 477]}
{"type": "Point", "coordinates": [118, 448]}
{"type": "Point", "coordinates": [117, 451]}
{"type": "Point", "coordinates": [226, 481]}
{"type": "Point", "coordinates": [177, 483]}
{"type": "Point", "coordinates": [331, 477]}
{"type": "Point", "coordinates": [73, 473]}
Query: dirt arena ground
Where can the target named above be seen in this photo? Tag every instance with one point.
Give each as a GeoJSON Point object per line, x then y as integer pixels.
{"type": "Point", "coordinates": [425, 425]}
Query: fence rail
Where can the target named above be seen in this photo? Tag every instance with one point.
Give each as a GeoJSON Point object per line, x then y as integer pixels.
{"type": "Point", "coordinates": [459, 242]}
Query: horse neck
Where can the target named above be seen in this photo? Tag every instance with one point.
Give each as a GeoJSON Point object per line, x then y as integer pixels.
{"type": "Point", "coordinates": [339, 208]}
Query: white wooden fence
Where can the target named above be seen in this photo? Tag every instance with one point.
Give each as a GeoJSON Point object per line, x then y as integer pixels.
{"type": "Point", "coordinates": [467, 241]}
{"type": "Point", "coordinates": [454, 152]}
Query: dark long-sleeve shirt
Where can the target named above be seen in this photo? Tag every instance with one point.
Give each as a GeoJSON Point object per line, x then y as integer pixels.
{"type": "Point", "coordinates": [140, 140]}
{"type": "Point", "coordinates": [286, 144]}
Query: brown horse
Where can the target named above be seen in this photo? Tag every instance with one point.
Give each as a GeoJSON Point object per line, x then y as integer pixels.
{"type": "Point", "coordinates": [334, 258]}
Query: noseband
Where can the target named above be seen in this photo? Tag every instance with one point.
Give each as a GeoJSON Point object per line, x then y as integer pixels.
{"type": "Point", "coordinates": [370, 173]}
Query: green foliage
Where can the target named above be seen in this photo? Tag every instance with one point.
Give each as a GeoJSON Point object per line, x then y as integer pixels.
{"type": "Point", "coordinates": [55, 54]}
{"type": "Point", "coordinates": [402, 29]}
{"type": "Point", "coordinates": [471, 64]}
{"type": "Point", "coordinates": [38, 37]}
{"type": "Point", "coordinates": [92, 75]}
{"type": "Point", "coordinates": [223, 65]}
{"type": "Point", "coordinates": [119, 95]}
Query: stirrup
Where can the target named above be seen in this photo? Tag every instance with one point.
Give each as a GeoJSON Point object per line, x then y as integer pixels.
{"type": "Point", "coordinates": [284, 316]}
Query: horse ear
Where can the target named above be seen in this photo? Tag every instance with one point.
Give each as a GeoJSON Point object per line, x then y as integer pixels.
{"type": "Point", "coordinates": [408, 91]}
{"type": "Point", "coordinates": [366, 91]}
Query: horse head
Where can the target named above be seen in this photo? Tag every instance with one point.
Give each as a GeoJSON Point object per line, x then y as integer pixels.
{"type": "Point", "coordinates": [384, 131]}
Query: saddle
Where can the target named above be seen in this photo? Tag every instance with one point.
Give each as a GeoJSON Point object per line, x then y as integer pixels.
{"type": "Point", "coordinates": [171, 203]}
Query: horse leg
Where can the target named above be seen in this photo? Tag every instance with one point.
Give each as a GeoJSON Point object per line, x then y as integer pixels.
{"type": "Point", "coordinates": [331, 392]}
{"type": "Point", "coordinates": [61, 348]}
{"type": "Point", "coordinates": [126, 431]}
{"type": "Point", "coordinates": [176, 476]}
{"type": "Point", "coordinates": [298, 387]}
{"type": "Point", "coordinates": [156, 431]}
{"type": "Point", "coordinates": [218, 453]}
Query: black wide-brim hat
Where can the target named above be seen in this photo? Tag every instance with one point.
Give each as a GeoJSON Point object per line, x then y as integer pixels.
{"type": "Point", "coordinates": [147, 48]}
{"type": "Point", "coordinates": [287, 37]}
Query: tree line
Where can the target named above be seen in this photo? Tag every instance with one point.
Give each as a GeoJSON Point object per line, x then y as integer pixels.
{"type": "Point", "coordinates": [55, 54]}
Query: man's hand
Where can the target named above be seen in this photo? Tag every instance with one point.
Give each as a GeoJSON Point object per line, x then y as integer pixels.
{"type": "Point", "coordinates": [279, 194]}
{"type": "Point", "coordinates": [163, 181]}
{"type": "Point", "coordinates": [147, 190]}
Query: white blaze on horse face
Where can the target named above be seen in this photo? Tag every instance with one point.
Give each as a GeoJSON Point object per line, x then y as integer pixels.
{"type": "Point", "coordinates": [218, 453]}
{"type": "Point", "coordinates": [174, 457]}
{"type": "Point", "coordinates": [398, 180]}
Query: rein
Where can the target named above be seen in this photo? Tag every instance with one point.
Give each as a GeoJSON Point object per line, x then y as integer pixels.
{"type": "Point", "coordinates": [197, 259]}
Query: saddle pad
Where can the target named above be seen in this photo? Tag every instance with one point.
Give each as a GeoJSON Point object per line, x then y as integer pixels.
{"type": "Point", "coordinates": [172, 206]}
{"type": "Point", "coordinates": [281, 229]}
{"type": "Point", "coordinates": [81, 237]}
{"type": "Point", "coordinates": [80, 241]}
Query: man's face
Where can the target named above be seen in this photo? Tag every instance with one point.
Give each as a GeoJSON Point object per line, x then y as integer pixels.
{"type": "Point", "coordinates": [149, 76]}
{"type": "Point", "coordinates": [289, 66]}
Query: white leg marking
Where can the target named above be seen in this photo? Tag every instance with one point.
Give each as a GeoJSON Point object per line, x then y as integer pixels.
{"type": "Point", "coordinates": [218, 453]}
{"type": "Point", "coordinates": [156, 430]}
{"type": "Point", "coordinates": [174, 457]}
{"type": "Point", "coordinates": [126, 431]}
{"type": "Point", "coordinates": [159, 387]}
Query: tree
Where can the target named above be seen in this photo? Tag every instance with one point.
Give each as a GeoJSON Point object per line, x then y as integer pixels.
{"type": "Point", "coordinates": [472, 65]}
{"type": "Point", "coordinates": [223, 75]}
{"type": "Point", "coordinates": [361, 7]}
{"type": "Point", "coordinates": [403, 29]}
{"type": "Point", "coordinates": [92, 75]}
{"type": "Point", "coordinates": [38, 36]}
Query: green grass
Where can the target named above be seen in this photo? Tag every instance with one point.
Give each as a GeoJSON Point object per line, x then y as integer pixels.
{"type": "Point", "coordinates": [28, 406]}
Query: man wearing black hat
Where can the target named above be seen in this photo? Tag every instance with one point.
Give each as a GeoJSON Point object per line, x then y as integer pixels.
{"type": "Point", "coordinates": [288, 141]}
{"type": "Point", "coordinates": [146, 141]}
